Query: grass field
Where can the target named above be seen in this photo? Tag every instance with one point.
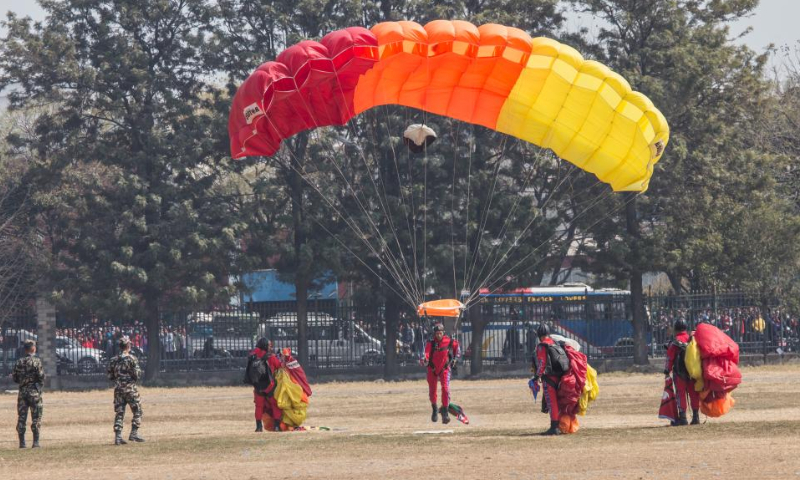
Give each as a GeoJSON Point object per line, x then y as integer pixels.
{"type": "Point", "coordinates": [207, 433]}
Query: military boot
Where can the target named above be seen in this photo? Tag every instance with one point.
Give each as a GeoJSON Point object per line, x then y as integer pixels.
{"type": "Point", "coordinates": [134, 436]}
{"type": "Point", "coordinates": [445, 415]}
{"type": "Point", "coordinates": [695, 417]}
{"type": "Point", "coordinates": [21, 440]}
{"type": "Point", "coordinates": [682, 419]}
{"type": "Point", "coordinates": [277, 426]}
{"type": "Point", "coordinates": [554, 430]}
{"type": "Point", "coordinates": [118, 439]}
{"type": "Point", "coordinates": [259, 426]}
{"type": "Point", "coordinates": [435, 414]}
{"type": "Point", "coordinates": [35, 440]}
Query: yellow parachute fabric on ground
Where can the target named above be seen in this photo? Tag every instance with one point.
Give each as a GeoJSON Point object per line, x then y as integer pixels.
{"type": "Point", "coordinates": [590, 390]}
{"type": "Point", "coordinates": [694, 365]}
{"type": "Point", "coordinates": [290, 396]}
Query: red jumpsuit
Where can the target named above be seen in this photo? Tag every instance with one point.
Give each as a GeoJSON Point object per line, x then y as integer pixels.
{"type": "Point", "coordinates": [437, 357]}
{"type": "Point", "coordinates": [264, 404]}
{"type": "Point", "coordinates": [683, 386]}
{"type": "Point", "coordinates": [549, 382]}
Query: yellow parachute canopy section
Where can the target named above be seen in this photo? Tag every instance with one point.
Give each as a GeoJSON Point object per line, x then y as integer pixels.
{"type": "Point", "coordinates": [590, 390]}
{"type": "Point", "coordinates": [291, 399]}
{"type": "Point", "coordinates": [446, 307]}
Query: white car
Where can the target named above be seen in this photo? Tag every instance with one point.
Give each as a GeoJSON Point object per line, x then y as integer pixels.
{"type": "Point", "coordinates": [330, 342]}
{"type": "Point", "coordinates": [83, 359]}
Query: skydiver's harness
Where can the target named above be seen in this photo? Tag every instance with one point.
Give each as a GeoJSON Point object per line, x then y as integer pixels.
{"type": "Point", "coordinates": [435, 347]}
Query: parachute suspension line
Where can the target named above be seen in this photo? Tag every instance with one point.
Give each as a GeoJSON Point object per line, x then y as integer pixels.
{"type": "Point", "coordinates": [455, 140]}
{"type": "Point", "coordinates": [467, 206]}
{"type": "Point", "coordinates": [594, 202]}
{"type": "Point", "coordinates": [502, 234]}
{"type": "Point", "coordinates": [485, 211]}
{"type": "Point", "coordinates": [425, 187]}
{"type": "Point", "coordinates": [382, 199]}
{"type": "Point", "coordinates": [377, 160]}
{"type": "Point", "coordinates": [497, 264]}
{"type": "Point", "coordinates": [597, 200]}
{"type": "Point", "coordinates": [345, 216]}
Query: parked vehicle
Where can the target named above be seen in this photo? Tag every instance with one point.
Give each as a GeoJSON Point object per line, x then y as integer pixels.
{"type": "Point", "coordinates": [221, 334]}
{"type": "Point", "coordinates": [330, 341]}
{"type": "Point", "coordinates": [84, 359]}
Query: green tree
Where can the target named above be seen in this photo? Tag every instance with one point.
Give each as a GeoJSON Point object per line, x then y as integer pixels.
{"type": "Point", "coordinates": [126, 165]}
{"type": "Point", "coordinates": [679, 53]}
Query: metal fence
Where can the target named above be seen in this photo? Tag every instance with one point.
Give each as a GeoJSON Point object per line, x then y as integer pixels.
{"type": "Point", "coordinates": [343, 336]}
{"type": "Point", "coordinates": [15, 328]}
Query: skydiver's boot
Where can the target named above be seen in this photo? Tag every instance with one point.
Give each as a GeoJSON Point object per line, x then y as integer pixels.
{"type": "Point", "coordinates": [554, 430]}
{"type": "Point", "coordinates": [682, 419]}
{"type": "Point", "coordinates": [134, 436]}
{"type": "Point", "coordinates": [276, 425]}
{"type": "Point", "coordinates": [35, 440]}
{"type": "Point", "coordinates": [259, 426]}
{"type": "Point", "coordinates": [435, 414]}
{"type": "Point", "coordinates": [118, 439]}
{"type": "Point", "coordinates": [695, 417]}
{"type": "Point", "coordinates": [445, 415]}
{"type": "Point", "coordinates": [21, 440]}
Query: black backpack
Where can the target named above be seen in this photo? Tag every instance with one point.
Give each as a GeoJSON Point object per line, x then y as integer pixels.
{"type": "Point", "coordinates": [679, 367]}
{"type": "Point", "coordinates": [259, 375]}
{"type": "Point", "coordinates": [557, 359]}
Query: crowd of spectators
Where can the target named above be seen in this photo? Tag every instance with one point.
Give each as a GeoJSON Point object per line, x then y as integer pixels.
{"type": "Point", "coordinates": [745, 325]}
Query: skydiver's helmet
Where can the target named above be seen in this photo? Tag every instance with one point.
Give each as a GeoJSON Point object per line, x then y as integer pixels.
{"type": "Point", "coordinates": [438, 328]}
{"type": "Point", "coordinates": [542, 330]}
{"type": "Point", "coordinates": [680, 325]}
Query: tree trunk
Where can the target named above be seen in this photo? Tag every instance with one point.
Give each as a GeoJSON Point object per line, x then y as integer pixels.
{"type": "Point", "coordinates": [392, 321]}
{"type": "Point", "coordinates": [478, 324]}
{"type": "Point", "coordinates": [297, 186]}
{"type": "Point", "coordinates": [637, 292]}
{"type": "Point", "coordinates": [153, 342]}
{"type": "Point", "coordinates": [301, 288]}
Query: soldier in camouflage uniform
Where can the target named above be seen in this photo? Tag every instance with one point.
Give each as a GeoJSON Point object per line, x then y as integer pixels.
{"type": "Point", "coordinates": [124, 371]}
{"type": "Point", "coordinates": [29, 374]}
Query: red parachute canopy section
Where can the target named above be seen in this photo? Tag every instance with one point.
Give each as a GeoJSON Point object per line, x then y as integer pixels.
{"type": "Point", "coordinates": [309, 85]}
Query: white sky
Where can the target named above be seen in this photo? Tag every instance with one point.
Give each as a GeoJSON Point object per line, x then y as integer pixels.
{"type": "Point", "coordinates": [774, 21]}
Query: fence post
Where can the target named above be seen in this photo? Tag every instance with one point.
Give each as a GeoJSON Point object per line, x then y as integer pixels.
{"type": "Point", "coordinates": [46, 340]}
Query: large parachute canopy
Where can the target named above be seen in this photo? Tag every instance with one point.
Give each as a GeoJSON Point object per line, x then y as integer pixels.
{"type": "Point", "coordinates": [535, 89]}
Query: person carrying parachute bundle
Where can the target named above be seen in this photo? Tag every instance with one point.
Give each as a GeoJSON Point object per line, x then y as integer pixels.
{"type": "Point", "coordinates": [675, 365]}
{"type": "Point", "coordinates": [260, 373]}
{"type": "Point", "coordinates": [441, 353]}
{"type": "Point", "coordinates": [550, 364]}
{"type": "Point", "coordinates": [712, 359]}
{"type": "Point", "coordinates": [291, 392]}
{"type": "Point", "coordinates": [571, 389]}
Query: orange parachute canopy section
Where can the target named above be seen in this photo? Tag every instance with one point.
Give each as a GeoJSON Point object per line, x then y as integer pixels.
{"type": "Point", "coordinates": [447, 307]}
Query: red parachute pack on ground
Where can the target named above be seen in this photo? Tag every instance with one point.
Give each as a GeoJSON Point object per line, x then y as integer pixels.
{"type": "Point", "coordinates": [570, 389]}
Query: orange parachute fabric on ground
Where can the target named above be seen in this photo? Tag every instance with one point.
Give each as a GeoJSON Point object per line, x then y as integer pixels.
{"type": "Point", "coordinates": [568, 424]}
{"type": "Point", "coordinates": [716, 404]}
{"type": "Point", "coordinates": [535, 89]}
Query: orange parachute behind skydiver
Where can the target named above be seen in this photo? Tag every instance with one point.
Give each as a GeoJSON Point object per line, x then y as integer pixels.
{"type": "Point", "coordinates": [535, 89]}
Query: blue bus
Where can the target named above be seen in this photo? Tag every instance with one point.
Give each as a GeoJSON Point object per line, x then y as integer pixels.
{"type": "Point", "coordinates": [599, 320]}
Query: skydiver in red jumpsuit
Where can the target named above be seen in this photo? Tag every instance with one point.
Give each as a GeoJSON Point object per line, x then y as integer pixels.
{"type": "Point", "coordinates": [549, 382]}
{"type": "Point", "coordinates": [440, 354]}
{"type": "Point", "coordinates": [683, 384]}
